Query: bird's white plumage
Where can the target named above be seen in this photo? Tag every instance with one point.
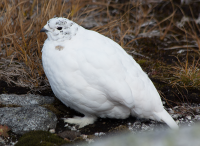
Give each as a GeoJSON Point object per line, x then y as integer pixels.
{"type": "Point", "coordinates": [95, 76]}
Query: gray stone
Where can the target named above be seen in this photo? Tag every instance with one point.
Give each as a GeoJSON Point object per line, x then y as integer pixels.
{"type": "Point", "coordinates": [26, 99]}
{"type": "Point", "coordinates": [27, 118]}
{"type": "Point", "coordinates": [69, 134]}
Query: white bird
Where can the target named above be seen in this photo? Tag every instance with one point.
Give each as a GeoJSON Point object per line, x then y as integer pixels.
{"type": "Point", "coordinates": [95, 76]}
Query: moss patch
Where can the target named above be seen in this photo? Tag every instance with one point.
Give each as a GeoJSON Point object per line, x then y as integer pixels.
{"type": "Point", "coordinates": [40, 138]}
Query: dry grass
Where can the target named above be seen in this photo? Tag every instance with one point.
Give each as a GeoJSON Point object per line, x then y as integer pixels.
{"type": "Point", "coordinates": [20, 37]}
{"type": "Point", "coordinates": [126, 23]}
{"type": "Point", "coordinates": [186, 75]}
{"type": "Point", "coordinates": [21, 40]}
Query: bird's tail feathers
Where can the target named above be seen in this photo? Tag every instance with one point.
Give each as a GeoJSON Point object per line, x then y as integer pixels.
{"type": "Point", "coordinates": [164, 116]}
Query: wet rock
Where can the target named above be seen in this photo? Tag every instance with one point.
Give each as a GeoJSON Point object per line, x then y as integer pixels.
{"type": "Point", "coordinates": [26, 99]}
{"type": "Point", "coordinates": [27, 118]}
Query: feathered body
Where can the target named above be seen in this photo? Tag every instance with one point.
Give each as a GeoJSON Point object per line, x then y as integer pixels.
{"type": "Point", "coordinates": [95, 76]}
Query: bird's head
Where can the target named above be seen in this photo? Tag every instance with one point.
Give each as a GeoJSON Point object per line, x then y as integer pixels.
{"type": "Point", "coordinates": [60, 29]}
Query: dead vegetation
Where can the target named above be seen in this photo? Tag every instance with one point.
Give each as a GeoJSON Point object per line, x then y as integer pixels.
{"type": "Point", "coordinates": [140, 27]}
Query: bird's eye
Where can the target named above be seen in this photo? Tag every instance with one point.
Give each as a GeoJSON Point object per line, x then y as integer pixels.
{"type": "Point", "coordinates": [59, 28]}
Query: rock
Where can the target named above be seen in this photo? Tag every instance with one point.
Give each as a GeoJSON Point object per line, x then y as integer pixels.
{"type": "Point", "coordinates": [99, 134]}
{"type": "Point", "coordinates": [2, 142]}
{"type": "Point", "coordinates": [27, 118]}
{"type": "Point", "coordinates": [26, 99]}
{"type": "Point", "coordinates": [197, 117]}
{"type": "Point", "coordinates": [69, 134]}
{"type": "Point", "coordinates": [52, 131]}
{"type": "Point", "coordinates": [189, 117]}
{"type": "Point", "coordinates": [30, 116]}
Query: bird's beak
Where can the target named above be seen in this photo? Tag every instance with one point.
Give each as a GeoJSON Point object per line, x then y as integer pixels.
{"type": "Point", "coordinates": [43, 30]}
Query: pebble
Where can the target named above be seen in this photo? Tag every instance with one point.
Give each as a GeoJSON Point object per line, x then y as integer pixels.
{"type": "Point", "coordinates": [189, 117]}
{"type": "Point", "coordinates": [52, 131]}
{"type": "Point", "coordinates": [99, 134]}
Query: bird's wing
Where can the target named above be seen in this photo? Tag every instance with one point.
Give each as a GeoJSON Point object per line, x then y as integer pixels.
{"type": "Point", "coordinates": [105, 66]}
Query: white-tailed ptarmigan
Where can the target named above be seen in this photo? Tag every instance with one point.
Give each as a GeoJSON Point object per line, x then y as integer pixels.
{"type": "Point", "coordinates": [95, 76]}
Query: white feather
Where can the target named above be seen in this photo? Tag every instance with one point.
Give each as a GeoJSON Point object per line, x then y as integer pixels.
{"type": "Point", "coordinates": [95, 76]}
